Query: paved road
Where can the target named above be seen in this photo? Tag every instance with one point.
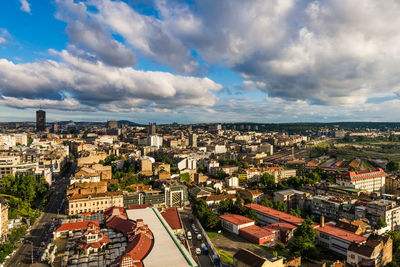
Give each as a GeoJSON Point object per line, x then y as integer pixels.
{"type": "Point", "coordinates": [40, 230]}
{"type": "Point", "coordinates": [203, 260]}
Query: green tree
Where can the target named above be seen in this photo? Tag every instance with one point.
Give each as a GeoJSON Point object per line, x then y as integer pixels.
{"type": "Point", "coordinates": [184, 177]}
{"type": "Point", "coordinates": [211, 221]}
{"type": "Point", "coordinates": [295, 212]}
{"type": "Point", "coordinates": [304, 237]}
{"type": "Point", "coordinates": [113, 187]}
{"type": "Point", "coordinates": [380, 223]}
{"type": "Point", "coordinates": [392, 166]}
{"type": "Point", "coordinates": [174, 170]}
{"type": "Point", "coordinates": [201, 169]}
{"type": "Point", "coordinates": [221, 175]}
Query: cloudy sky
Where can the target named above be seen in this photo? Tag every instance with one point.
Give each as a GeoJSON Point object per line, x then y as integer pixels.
{"type": "Point", "coordinates": [200, 60]}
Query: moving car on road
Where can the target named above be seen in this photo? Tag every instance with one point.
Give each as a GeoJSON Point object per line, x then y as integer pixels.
{"type": "Point", "coordinates": [198, 251]}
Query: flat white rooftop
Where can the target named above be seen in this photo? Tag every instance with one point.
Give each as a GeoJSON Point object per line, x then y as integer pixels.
{"type": "Point", "coordinates": [167, 249]}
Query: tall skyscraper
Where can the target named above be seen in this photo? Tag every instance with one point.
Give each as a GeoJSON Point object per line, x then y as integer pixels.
{"type": "Point", "coordinates": [193, 140]}
{"type": "Point", "coordinates": [152, 130]}
{"type": "Point", "coordinates": [40, 120]}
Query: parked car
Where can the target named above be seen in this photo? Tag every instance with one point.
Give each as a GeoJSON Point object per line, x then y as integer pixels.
{"type": "Point", "coordinates": [198, 251]}
{"type": "Point", "coordinates": [193, 226]}
{"type": "Point", "coordinates": [198, 236]}
{"type": "Point", "coordinates": [189, 235]}
{"type": "Point", "coordinates": [196, 231]}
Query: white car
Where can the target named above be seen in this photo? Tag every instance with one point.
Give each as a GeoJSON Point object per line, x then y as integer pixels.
{"type": "Point", "coordinates": [198, 251]}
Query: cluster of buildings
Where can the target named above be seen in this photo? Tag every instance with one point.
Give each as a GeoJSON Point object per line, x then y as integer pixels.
{"type": "Point", "coordinates": [115, 223]}
{"type": "Point", "coordinates": [138, 236]}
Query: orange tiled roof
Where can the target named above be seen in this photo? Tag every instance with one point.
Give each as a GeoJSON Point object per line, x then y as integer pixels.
{"type": "Point", "coordinates": [75, 226]}
{"type": "Point", "coordinates": [282, 216]}
{"type": "Point", "coordinates": [329, 229]}
{"type": "Point", "coordinates": [236, 219]}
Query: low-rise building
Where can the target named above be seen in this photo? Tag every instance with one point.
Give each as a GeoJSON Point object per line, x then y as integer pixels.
{"type": "Point", "coordinates": [98, 202]}
{"type": "Point", "coordinates": [327, 206]}
{"type": "Point", "coordinates": [376, 251]}
{"type": "Point", "coordinates": [385, 209]}
{"type": "Point", "coordinates": [233, 222]}
{"type": "Point", "coordinates": [370, 181]}
{"type": "Point", "coordinates": [257, 234]}
{"type": "Point", "coordinates": [87, 188]}
{"type": "Point", "coordinates": [335, 239]}
{"type": "Point", "coordinates": [267, 215]}
{"type": "Point", "coordinates": [246, 258]}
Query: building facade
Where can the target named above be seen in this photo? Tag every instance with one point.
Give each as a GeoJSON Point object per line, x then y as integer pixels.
{"type": "Point", "coordinates": [370, 181]}
{"type": "Point", "coordinates": [40, 120]}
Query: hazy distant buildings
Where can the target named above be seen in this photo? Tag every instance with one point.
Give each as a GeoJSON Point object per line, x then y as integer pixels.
{"type": "Point", "coordinates": [54, 128]}
{"type": "Point", "coordinates": [40, 120]}
{"type": "Point", "coordinates": [112, 124]}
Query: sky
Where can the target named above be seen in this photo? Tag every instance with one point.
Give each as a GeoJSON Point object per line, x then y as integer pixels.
{"type": "Point", "coordinates": [191, 61]}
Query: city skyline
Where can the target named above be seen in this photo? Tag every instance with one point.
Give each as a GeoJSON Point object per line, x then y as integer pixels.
{"type": "Point", "coordinates": [200, 61]}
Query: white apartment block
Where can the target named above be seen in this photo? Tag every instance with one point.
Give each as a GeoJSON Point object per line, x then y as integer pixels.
{"type": "Point", "coordinates": [370, 181]}
{"type": "Point", "coordinates": [385, 209]}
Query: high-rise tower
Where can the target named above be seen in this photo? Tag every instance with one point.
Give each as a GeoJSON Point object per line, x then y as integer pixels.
{"type": "Point", "coordinates": [40, 120]}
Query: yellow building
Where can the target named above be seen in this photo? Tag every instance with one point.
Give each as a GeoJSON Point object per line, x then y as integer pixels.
{"type": "Point", "coordinates": [98, 202]}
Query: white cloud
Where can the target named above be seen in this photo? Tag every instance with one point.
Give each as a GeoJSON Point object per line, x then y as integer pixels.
{"type": "Point", "coordinates": [325, 52]}
{"type": "Point", "coordinates": [89, 35]}
{"type": "Point", "coordinates": [152, 37]}
{"type": "Point", "coordinates": [5, 37]}
{"type": "Point", "coordinates": [253, 85]}
{"type": "Point", "coordinates": [89, 85]}
{"type": "Point", "coordinates": [25, 6]}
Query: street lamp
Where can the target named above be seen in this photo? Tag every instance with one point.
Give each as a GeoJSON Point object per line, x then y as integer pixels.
{"type": "Point", "coordinates": [31, 248]}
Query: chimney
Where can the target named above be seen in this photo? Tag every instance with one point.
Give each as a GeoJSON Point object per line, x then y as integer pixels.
{"type": "Point", "coordinates": [322, 223]}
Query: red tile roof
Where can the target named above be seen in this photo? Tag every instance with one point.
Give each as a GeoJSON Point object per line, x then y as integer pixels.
{"type": "Point", "coordinates": [138, 248]}
{"type": "Point", "coordinates": [171, 215]}
{"type": "Point", "coordinates": [363, 174]}
{"type": "Point", "coordinates": [124, 226]}
{"type": "Point", "coordinates": [330, 229]}
{"type": "Point", "coordinates": [282, 226]}
{"type": "Point", "coordinates": [256, 231]}
{"type": "Point", "coordinates": [282, 216]}
{"type": "Point", "coordinates": [115, 212]}
{"type": "Point", "coordinates": [75, 226]}
{"type": "Point", "coordinates": [236, 219]}
{"type": "Point", "coordinates": [98, 244]}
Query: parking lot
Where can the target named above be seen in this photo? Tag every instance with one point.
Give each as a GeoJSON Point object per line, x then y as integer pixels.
{"type": "Point", "coordinates": [231, 243]}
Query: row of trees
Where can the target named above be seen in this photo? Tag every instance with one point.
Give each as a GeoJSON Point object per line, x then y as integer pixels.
{"type": "Point", "coordinates": [25, 195]}
{"type": "Point", "coordinates": [28, 188]}
{"type": "Point", "coordinates": [7, 247]}
{"type": "Point", "coordinates": [267, 184]}
{"type": "Point", "coordinates": [281, 206]}
{"type": "Point", "coordinates": [207, 218]}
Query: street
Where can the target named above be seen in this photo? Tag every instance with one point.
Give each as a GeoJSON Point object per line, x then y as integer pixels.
{"type": "Point", "coordinates": [203, 259]}
{"type": "Point", "coordinates": [39, 231]}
